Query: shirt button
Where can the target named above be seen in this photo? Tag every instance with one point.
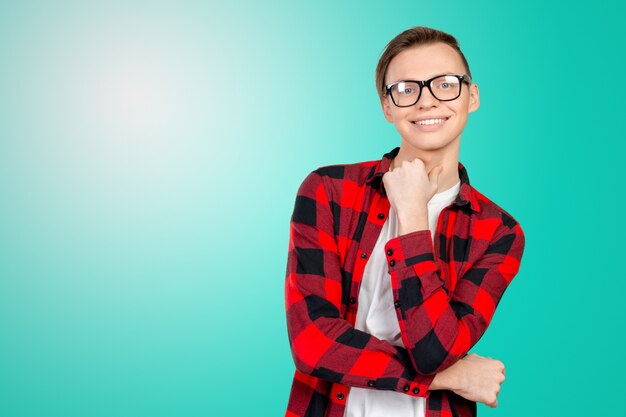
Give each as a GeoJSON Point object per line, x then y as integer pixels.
{"type": "Point", "coordinates": [363, 255]}
{"type": "Point", "coordinates": [352, 300]}
{"type": "Point", "coordinates": [389, 252]}
{"type": "Point", "coordinates": [381, 216]}
{"type": "Point", "coordinates": [405, 388]}
{"type": "Point", "coordinates": [416, 390]}
{"type": "Point", "coordinates": [371, 383]}
{"type": "Point", "coordinates": [397, 303]}
{"type": "Point", "coordinates": [392, 262]}
{"type": "Point", "coordinates": [340, 396]}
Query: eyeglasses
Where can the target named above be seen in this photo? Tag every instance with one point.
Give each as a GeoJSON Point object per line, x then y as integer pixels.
{"type": "Point", "coordinates": [445, 87]}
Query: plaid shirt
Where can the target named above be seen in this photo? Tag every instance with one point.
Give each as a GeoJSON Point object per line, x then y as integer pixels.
{"type": "Point", "coordinates": [445, 290]}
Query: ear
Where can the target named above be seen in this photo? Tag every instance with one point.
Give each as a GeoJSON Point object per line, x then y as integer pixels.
{"type": "Point", "coordinates": [474, 99]}
{"type": "Point", "coordinates": [386, 106]}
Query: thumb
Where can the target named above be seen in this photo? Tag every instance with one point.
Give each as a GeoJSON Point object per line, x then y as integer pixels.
{"type": "Point", "coordinates": [434, 174]}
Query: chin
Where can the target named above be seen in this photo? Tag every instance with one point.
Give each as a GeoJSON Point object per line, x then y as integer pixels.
{"type": "Point", "coordinates": [429, 144]}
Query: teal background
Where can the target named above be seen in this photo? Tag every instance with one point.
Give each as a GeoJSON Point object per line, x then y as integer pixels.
{"type": "Point", "coordinates": [150, 153]}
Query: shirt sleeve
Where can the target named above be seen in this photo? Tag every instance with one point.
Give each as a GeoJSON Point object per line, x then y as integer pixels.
{"type": "Point", "coordinates": [323, 344]}
{"type": "Point", "coordinates": [439, 328]}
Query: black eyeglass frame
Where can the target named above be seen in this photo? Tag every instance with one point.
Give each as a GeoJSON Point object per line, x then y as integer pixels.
{"type": "Point", "coordinates": [463, 78]}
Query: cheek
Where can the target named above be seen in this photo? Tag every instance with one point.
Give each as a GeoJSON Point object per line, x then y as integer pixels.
{"type": "Point", "coordinates": [402, 113]}
{"type": "Point", "coordinates": [462, 108]}
{"type": "Point", "coordinates": [460, 123]}
{"type": "Point", "coordinates": [393, 115]}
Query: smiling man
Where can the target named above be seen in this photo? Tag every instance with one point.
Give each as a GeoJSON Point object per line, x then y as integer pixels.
{"type": "Point", "coordinates": [396, 266]}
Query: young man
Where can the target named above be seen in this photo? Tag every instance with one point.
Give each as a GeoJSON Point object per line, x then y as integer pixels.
{"type": "Point", "coordinates": [396, 266]}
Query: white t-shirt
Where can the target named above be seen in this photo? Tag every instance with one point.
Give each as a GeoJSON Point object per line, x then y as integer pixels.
{"type": "Point", "coordinates": [376, 315]}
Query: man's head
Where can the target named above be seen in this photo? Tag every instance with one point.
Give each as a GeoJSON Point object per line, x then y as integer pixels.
{"type": "Point", "coordinates": [426, 118]}
{"type": "Point", "coordinates": [416, 36]}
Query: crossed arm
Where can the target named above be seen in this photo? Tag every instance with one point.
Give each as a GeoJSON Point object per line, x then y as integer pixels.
{"type": "Point", "coordinates": [437, 330]}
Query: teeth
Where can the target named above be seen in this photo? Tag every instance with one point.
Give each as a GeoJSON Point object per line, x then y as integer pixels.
{"type": "Point", "coordinates": [430, 121]}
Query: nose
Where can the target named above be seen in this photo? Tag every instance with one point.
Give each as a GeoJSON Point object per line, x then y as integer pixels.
{"type": "Point", "coordinates": [426, 99]}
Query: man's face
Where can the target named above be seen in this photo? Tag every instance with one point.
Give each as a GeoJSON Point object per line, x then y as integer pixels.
{"type": "Point", "coordinates": [422, 63]}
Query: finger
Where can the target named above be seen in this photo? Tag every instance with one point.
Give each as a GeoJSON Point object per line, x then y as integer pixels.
{"type": "Point", "coordinates": [435, 170]}
{"type": "Point", "coordinates": [416, 161]}
{"type": "Point", "coordinates": [434, 173]}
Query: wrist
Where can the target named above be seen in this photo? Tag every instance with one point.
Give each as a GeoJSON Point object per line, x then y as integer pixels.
{"type": "Point", "coordinates": [412, 223]}
{"type": "Point", "coordinates": [447, 379]}
{"type": "Point", "coordinates": [441, 382]}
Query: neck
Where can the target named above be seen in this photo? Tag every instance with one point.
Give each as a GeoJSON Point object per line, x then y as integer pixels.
{"type": "Point", "coordinates": [447, 158]}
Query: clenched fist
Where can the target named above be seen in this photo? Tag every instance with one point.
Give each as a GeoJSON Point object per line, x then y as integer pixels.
{"type": "Point", "coordinates": [473, 377]}
{"type": "Point", "coordinates": [409, 188]}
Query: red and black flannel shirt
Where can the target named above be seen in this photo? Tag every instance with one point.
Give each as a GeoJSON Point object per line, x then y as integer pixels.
{"type": "Point", "coordinates": [445, 290]}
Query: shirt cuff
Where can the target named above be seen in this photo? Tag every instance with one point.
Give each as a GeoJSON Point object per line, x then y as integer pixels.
{"type": "Point", "coordinates": [411, 255]}
{"type": "Point", "coordinates": [418, 387]}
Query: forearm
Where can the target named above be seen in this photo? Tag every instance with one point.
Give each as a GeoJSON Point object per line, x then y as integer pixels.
{"type": "Point", "coordinates": [439, 328]}
{"type": "Point", "coordinates": [328, 347]}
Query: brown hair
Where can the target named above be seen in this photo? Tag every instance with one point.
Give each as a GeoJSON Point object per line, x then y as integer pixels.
{"type": "Point", "coordinates": [415, 36]}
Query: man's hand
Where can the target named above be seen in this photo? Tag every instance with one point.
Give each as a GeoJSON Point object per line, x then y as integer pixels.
{"type": "Point", "coordinates": [409, 188]}
{"type": "Point", "coordinates": [474, 377]}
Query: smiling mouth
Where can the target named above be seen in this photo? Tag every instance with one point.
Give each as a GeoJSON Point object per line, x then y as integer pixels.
{"type": "Point", "coordinates": [429, 122]}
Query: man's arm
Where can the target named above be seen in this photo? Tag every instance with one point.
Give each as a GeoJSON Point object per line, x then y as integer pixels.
{"type": "Point", "coordinates": [323, 344]}
{"type": "Point", "coordinates": [437, 329]}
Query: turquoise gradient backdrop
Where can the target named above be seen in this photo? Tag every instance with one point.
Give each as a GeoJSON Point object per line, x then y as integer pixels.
{"type": "Point", "coordinates": [150, 153]}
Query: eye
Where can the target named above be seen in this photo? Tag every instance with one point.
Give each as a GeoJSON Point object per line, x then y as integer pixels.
{"type": "Point", "coordinates": [445, 82]}
{"type": "Point", "coordinates": [407, 88]}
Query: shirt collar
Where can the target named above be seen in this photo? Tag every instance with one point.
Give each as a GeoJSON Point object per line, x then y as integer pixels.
{"type": "Point", "coordinates": [466, 193]}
